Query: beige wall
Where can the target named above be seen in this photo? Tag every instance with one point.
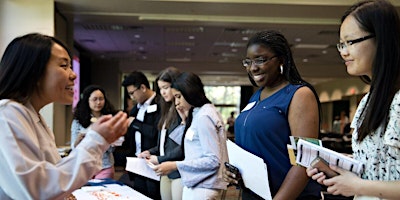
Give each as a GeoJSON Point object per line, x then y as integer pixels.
{"type": "Point", "coordinates": [341, 89]}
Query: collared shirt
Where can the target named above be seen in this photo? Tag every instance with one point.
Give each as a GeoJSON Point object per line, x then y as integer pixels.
{"type": "Point", "coordinates": [140, 116]}
{"type": "Point", "coordinates": [205, 150]}
{"type": "Point", "coordinates": [31, 167]}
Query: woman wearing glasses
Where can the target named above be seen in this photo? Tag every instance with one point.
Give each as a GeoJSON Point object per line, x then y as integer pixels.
{"type": "Point", "coordinates": [90, 107]}
{"type": "Point", "coordinates": [370, 47]}
{"type": "Point", "coordinates": [284, 105]}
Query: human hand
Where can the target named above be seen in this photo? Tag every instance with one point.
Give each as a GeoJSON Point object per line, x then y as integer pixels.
{"type": "Point", "coordinates": [165, 168]}
{"type": "Point", "coordinates": [153, 159]}
{"type": "Point", "coordinates": [232, 176]}
{"type": "Point", "coordinates": [346, 184]}
{"type": "Point", "coordinates": [315, 175]}
{"type": "Point", "coordinates": [111, 127]}
{"type": "Point", "coordinates": [144, 154]}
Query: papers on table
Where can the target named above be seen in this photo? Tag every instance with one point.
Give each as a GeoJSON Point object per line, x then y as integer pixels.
{"type": "Point", "coordinates": [252, 168]}
{"type": "Point", "coordinates": [108, 191]}
{"type": "Point", "coordinates": [307, 152]}
{"type": "Point", "coordinates": [140, 166]}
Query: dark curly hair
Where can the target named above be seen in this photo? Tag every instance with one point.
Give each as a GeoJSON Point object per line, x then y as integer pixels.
{"type": "Point", "coordinates": [83, 112]}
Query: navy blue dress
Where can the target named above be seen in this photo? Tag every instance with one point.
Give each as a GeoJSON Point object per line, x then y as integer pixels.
{"type": "Point", "coordinates": [262, 128]}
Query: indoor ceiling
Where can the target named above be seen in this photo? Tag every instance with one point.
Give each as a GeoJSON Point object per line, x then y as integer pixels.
{"type": "Point", "coordinates": [207, 37]}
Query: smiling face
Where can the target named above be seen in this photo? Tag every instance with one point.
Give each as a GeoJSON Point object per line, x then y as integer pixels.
{"type": "Point", "coordinates": [358, 57]}
{"type": "Point", "coordinates": [180, 102]}
{"type": "Point", "coordinates": [57, 83]}
{"type": "Point", "coordinates": [165, 90]}
{"type": "Point", "coordinates": [267, 73]}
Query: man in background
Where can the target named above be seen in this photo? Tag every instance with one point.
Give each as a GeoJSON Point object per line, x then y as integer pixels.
{"type": "Point", "coordinates": [142, 132]}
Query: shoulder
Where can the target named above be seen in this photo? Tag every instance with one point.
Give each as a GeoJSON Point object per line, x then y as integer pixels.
{"type": "Point", "coordinates": [208, 111]}
{"type": "Point", "coordinates": [304, 93]}
{"type": "Point", "coordinates": [9, 107]}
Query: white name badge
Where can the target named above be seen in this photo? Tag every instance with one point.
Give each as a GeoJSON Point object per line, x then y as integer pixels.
{"type": "Point", "coordinates": [249, 106]}
{"type": "Point", "coordinates": [152, 108]}
{"type": "Point", "coordinates": [189, 134]}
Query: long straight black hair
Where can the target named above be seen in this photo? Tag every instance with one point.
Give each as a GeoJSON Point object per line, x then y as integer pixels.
{"type": "Point", "coordinates": [381, 19]}
{"type": "Point", "coordinates": [169, 115]}
{"type": "Point", "coordinates": [23, 65]}
{"type": "Point", "coordinates": [192, 89]}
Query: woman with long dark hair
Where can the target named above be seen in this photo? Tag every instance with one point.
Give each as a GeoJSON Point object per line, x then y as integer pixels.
{"type": "Point", "coordinates": [36, 70]}
{"type": "Point", "coordinates": [370, 47]}
{"type": "Point", "coordinates": [90, 107]}
{"type": "Point", "coordinates": [204, 142]}
{"type": "Point", "coordinates": [169, 146]}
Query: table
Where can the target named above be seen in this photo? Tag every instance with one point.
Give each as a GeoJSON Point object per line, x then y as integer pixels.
{"type": "Point", "coordinates": [105, 190]}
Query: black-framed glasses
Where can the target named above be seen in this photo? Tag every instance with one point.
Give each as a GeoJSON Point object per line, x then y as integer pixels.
{"type": "Point", "coordinates": [343, 45]}
{"type": "Point", "coordinates": [133, 92]}
{"type": "Point", "coordinates": [257, 61]}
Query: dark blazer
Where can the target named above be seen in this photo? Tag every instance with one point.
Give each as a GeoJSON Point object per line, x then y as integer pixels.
{"type": "Point", "coordinates": [172, 150]}
{"type": "Point", "coordinates": [147, 128]}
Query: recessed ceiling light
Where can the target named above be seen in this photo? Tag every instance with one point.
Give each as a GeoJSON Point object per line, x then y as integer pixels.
{"type": "Point", "coordinates": [137, 36]}
{"type": "Point", "coordinates": [324, 51]}
{"type": "Point", "coordinates": [305, 60]}
{"type": "Point", "coordinates": [191, 37]}
{"type": "Point", "coordinates": [245, 38]}
{"type": "Point", "coordinates": [297, 40]}
{"type": "Point", "coordinates": [188, 49]}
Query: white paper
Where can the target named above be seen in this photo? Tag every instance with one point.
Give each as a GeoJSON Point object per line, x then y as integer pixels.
{"type": "Point", "coordinates": [307, 152]}
{"type": "Point", "coordinates": [252, 168]}
{"type": "Point", "coordinates": [140, 166]}
{"type": "Point", "coordinates": [124, 192]}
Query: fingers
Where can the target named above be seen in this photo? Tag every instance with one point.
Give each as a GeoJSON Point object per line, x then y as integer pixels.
{"type": "Point", "coordinates": [230, 177]}
{"type": "Point", "coordinates": [112, 127]}
{"type": "Point", "coordinates": [311, 171]}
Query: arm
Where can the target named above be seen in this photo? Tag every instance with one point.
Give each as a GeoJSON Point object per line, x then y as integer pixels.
{"type": "Point", "coordinates": [209, 157]}
{"type": "Point", "coordinates": [31, 166]}
{"type": "Point", "coordinates": [303, 121]}
{"type": "Point", "coordinates": [208, 140]}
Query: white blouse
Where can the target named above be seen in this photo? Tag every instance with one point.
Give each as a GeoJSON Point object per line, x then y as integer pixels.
{"type": "Point", "coordinates": [380, 152]}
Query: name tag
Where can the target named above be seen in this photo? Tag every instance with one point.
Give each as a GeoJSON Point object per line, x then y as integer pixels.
{"type": "Point", "coordinates": [249, 106]}
{"type": "Point", "coordinates": [152, 108]}
{"type": "Point", "coordinates": [189, 134]}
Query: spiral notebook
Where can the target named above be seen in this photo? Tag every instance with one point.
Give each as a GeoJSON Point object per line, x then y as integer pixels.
{"type": "Point", "coordinates": [307, 152]}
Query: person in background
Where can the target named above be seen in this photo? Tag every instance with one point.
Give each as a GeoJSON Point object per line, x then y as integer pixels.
{"type": "Point", "coordinates": [143, 132]}
{"type": "Point", "coordinates": [35, 70]}
{"type": "Point", "coordinates": [344, 120]}
{"type": "Point", "coordinates": [169, 146]}
{"type": "Point", "coordinates": [204, 141]}
{"type": "Point", "coordinates": [231, 123]}
{"type": "Point", "coordinates": [91, 107]}
{"type": "Point", "coordinates": [284, 105]}
{"type": "Point", "coordinates": [336, 125]}
{"type": "Point", "coordinates": [370, 47]}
